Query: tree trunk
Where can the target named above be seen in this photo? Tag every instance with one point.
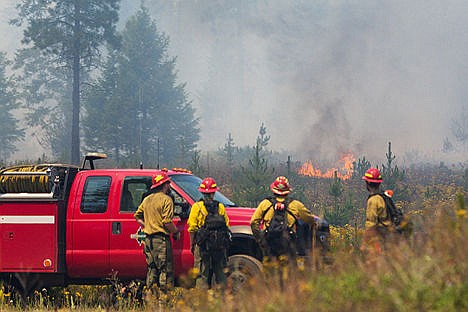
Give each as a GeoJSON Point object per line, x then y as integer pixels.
{"type": "Point", "coordinates": [75, 131]}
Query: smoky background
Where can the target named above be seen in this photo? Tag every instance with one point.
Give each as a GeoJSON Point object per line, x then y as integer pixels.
{"type": "Point", "coordinates": [325, 77]}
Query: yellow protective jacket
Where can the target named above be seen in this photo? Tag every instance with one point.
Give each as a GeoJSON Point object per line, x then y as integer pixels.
{"type": "Point", "coordinates": [198, 215]}
{"type": "Point", "coordinates": [378, 224]}
{"type": "Point", "coordinates": [156, 210]}
{"type": "Point", "coordinates": [376, 213]}
{"type": "Point", "coordinates": [265, 211]}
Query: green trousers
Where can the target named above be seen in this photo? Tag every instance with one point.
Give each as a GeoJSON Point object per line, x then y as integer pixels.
{"type": "Point", "coordinates": [160, 261]}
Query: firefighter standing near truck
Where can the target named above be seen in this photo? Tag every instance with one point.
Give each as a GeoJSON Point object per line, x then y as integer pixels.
{"type": "Point", "coordinates": [155, 215]}
{"type": "Point", "coordinates": [279, 215]}
{"type": "Point", "coordinates": [208, 225]}
{"type": "Point", "coordinates": [378, 222]}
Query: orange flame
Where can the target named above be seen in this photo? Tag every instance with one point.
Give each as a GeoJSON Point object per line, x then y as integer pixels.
{"type": "Point", "coordinates": [344, 170]}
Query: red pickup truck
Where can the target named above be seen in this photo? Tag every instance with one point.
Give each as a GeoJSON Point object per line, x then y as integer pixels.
{"type": "Point", "coordinates": [63, 224]}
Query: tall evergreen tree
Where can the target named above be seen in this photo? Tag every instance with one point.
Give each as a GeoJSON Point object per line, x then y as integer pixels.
{"type": "Point", "coordinates": [71, 32]}
{"type": "Point", "coordinates": [45, 93]}
{"type": "Point", "coordinates": [9, 129]}
{"type": "Point", "coordinates": [139, 100]}
{"type": "Point", "coordinates": [104, 125]}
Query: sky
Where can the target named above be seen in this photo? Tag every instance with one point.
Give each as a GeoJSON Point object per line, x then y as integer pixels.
{"type": "Point", "coordinates": [324, 77]}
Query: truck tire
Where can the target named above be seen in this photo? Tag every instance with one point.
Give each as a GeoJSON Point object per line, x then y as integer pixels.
{"type": "Point", "coordinates": [241, 268]}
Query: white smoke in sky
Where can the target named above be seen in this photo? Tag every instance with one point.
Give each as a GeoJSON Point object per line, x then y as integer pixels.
{"type": "Point", "coordinates": [325, 77]}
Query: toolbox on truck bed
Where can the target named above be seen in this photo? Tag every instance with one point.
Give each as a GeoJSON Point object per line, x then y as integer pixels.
{"type": "Point", "coordinates": [32, 217]}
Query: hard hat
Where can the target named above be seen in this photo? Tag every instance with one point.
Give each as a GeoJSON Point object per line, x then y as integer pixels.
{"type": "Point", "coordinates": [208, 185]}
{"type": "Point", "coordinates": [160, 179]}
{"type": "Point", "coordinates": [373, 175]}
{"type": "Point", "coordinates": [280, 186]}
{"type": "Point", "coordinates": [389, 193]}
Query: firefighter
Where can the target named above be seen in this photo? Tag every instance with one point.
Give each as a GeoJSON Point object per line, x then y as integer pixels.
{"type": "Point", "coordinates": [377, 221]}
{"type": "Point", "coordinates": [155, 215]}
{"type": "Point", "coordinates": [208, 225]}
{"type": "Point", "coordinates": [274, 208]}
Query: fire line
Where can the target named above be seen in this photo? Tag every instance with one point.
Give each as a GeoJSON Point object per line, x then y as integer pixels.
{"type": "Point", "coordinates": [343, 170]}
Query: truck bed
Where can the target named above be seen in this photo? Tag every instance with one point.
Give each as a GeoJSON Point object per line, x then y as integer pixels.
{"type": "Point", "coordinates": [32, 217]}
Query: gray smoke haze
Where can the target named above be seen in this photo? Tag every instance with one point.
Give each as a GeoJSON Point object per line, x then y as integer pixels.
{"type": "Point", "coordinates": [325, 77]}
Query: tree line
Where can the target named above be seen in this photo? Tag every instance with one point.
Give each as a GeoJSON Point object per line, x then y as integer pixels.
{"type": "Point", "coordinates": [86, 86]}
{"type": "Point", "coordinates": [82, 85]}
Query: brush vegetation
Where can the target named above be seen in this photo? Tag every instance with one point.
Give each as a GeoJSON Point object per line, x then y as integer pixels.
{"type": "Point", "coordinates": [426, 272]}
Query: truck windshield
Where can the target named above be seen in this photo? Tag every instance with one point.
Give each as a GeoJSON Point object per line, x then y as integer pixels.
{"type": "Point", "coordinates": [189, 184]}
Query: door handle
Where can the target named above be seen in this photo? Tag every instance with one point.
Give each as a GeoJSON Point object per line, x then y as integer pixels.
{"type": "Point", "coordinates": [116, 228]}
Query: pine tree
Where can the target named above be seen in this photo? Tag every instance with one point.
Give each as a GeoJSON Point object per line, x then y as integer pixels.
{"type": "Point", "coordinates": [11, 132]}
{"type": "Point", "coordinates": [391, 173]}
{"type": "Point", "coordinates": [70, 33]}
{"type": "Point", "coordinates": [262, 139]}
{"type": "Point", "coordinates": [229, 150]}
{"type": "Point", "coordinates": [104, 124]}
{"type": "Point", "coordinates": [45, 90]}
{"type": "Point", "coordinates": [360, 167]}
{"type": "Point", "coordinates": [195, 166]}
{"type": "Point", "coordinates": [140, 102]}
{"type": "Point", "coordinates": [339, 214]}
{"type": "Point", "coordinates": [258, 176]}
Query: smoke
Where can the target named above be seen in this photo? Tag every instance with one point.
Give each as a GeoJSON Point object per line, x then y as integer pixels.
{"type": "Point", "coordinates": [326, 77]}
{"type": "Point", "coordinates": [11, 36]}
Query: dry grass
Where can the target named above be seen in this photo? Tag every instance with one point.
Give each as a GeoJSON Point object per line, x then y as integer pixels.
{"type": "Point", "coordinates": [428, 272]}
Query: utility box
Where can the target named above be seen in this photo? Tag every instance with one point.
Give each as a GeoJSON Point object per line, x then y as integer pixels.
{"type": "Point", "coordinates": [29, 236]}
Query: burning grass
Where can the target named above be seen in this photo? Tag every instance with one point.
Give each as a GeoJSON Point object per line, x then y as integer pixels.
{"type": "Point", "coordinates": [342, 170]}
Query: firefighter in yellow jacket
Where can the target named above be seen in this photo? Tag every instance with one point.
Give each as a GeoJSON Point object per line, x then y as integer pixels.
{"type": "Point", "coordinates": [208, 217]}
{"type": "Point", "coordinates": [378, 223]}
{"type": "Point", "coordinates": [279, 204]}
{"type": "Point", "coordinates": [155, 215]}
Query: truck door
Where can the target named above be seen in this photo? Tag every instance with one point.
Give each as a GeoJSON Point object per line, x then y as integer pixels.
{"type": "Point", "coordinates": [126, 242]}
{"type": "Point", "coordinates": [90, 228]}
{"type": "Point", "coordinates": [183, 258]}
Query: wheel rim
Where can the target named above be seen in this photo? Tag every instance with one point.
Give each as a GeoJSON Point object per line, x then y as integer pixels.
{"type": "Point", "coordinates": [240, 271]}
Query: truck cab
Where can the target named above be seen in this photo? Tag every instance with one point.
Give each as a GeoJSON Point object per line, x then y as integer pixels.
{"type": "Point", "coordinates": [102, 236]}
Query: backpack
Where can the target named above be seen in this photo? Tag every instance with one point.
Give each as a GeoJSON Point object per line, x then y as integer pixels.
{"type": "Point", "coordinates": [279, 237]}
{"type": "Point", "coordinates": [214, 235]}
{"type": "Point", "coordinates": [394, 213]}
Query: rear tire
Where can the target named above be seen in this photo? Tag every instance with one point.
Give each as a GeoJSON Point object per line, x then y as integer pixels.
{"type": "Point", "coordinates": [242, 268]}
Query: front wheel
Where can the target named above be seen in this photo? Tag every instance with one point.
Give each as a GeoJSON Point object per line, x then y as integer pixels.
{"type": "Point", "coordinates": [242, 268]}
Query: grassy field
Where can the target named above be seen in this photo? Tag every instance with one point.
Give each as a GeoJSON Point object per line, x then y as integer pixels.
{"type": "Point", "coordinates": [427, 272]}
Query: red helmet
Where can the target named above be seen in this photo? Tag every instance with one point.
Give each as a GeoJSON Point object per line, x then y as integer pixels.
{"type": "Point", "coordinates": [160, 179]}
{"type": "Point", "coordinates": [208, 185]}
{"type": "Point", "coordinates": [373, 175]}
{"type": "Point", "coordinates": [280, 186]}
{"type": "Point", "coordinates": [389, 193]}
